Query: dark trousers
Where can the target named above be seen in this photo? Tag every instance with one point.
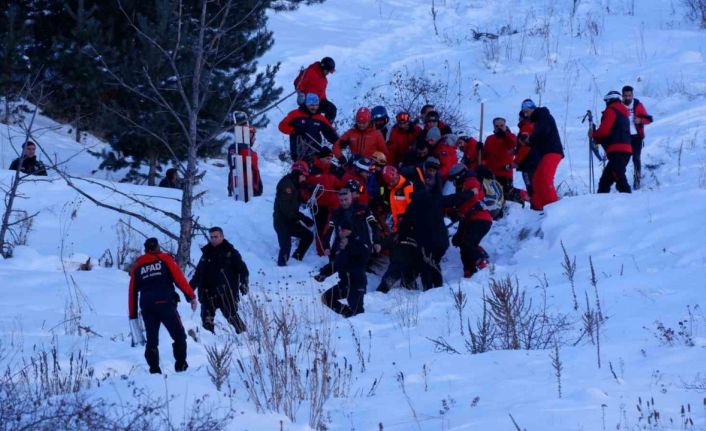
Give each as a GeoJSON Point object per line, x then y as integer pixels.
{"type": "Point", "coordinates": [351, 287]}
{"type": "Point", "coordinates": [227, 303]}
{"type": "Point", "coordinates": [637, 143]}
{"type": "Point", "coordinates": [527, 178]}
{"type": "Point", "coordinates": [510, 193]}
{"type": "Point", "coordinates": [614, 173]}
{"type": "Point", "coordinates": [430, 268]}
{"type": "Point", "coordinates": [471, 236]}
{"type": "Point", "coordinates": [164, 313]}
{"type": "Point", "coordinates": [284, 237]}
{"type": "Point", "coordinates": [404, 266]}
{"type": "Point", "coordinates": [328, 109]}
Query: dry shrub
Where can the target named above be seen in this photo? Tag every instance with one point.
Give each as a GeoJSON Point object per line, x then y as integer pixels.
{"type": "Point", "coordinates": [289, 359]}
{"type": "Point", "coordinates": [510, 321]}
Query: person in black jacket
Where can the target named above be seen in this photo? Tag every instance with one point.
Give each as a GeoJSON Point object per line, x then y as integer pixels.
{"type": "Point", "coordinates": [351, 189]}
{"type": "Point", "coordinates": [417, 154]}
{"type": "Point", "coordinates": [28, 163]}
{"type": "Point", "coordinates": [424, 223]}
{"type": "Point", "coordinates": [221, 276]}
{"type": "Point", "coordinates": [426, 175]}
{"type": "Point", "coordinates": [351, 249]}
{"type": "Point", "coordinates": [170, 180]}
{"type": "Point", "coordinates": [288, 220]}
{"type": "Point", "coordinates": [547, 149]}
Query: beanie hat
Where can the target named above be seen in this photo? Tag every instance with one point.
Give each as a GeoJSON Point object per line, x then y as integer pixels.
{"type": "Point", "coordinates": [434, 133]}
{"type": "Point", "coordinates": [528, 104]}
{"type": "Point", "coordinates": [311, 99]}
{"type": "Point", "coordinates": [432, 162]}
{"type": "Point", "coordinates": [431, 116]}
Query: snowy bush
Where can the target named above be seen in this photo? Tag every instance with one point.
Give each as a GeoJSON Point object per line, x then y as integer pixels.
{"type": "Point", "coordinates": [410, 90]}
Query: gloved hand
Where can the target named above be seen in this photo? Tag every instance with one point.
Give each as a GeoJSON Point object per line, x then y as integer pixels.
{"type": "Point", "coordinates": [342, 161]}
{"type": "Point", "coordinates": [345, 143]}
{"type": "Point", "coordinates": [244, 288]}
{"type": "Point", "coordinates": [194, 303]}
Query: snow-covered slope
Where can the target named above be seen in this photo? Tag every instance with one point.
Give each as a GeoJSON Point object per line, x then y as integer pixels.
{"type": "Point", "coordinates": [646, 248]}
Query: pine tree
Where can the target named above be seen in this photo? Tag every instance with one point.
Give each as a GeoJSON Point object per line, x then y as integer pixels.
{"type": "Point", "coordinates": [72, 73]}
{"type": "Point", "coordinates": [159, 78]}
{"type": "Point", "coordinates": [14, 63]}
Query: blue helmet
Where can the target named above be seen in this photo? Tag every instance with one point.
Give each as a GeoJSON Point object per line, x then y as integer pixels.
{"type": "Point", "coordinates": [379, 113]}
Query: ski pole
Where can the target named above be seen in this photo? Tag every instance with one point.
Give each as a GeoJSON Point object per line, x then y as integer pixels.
{"type": "Point", "coordinates": [274, 105]}
{"type": "Point", "coordinates": [480, 137]}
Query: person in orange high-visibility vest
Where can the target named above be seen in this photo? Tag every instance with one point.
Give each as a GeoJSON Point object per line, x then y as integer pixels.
{"type": "Point", "coordinates": [400, 194]}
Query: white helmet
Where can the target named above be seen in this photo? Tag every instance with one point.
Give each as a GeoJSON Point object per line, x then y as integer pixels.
{"type": "Point", "coordinates": [612, 96]}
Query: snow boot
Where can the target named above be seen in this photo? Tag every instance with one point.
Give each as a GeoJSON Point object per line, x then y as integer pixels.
{"type": "Point", "coordinates": [282, 259]}
{"type": "Point", "coordinates": [179, 349]}
{"type": "Point", "coordinates": [237, 323]}
{"type": "Point", "coordinates": [152, 357]}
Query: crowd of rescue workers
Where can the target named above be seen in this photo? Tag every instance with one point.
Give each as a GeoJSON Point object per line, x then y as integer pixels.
{"type": "Point", "coordinates": [377, 196]}
{"type": "Point", "coordinates": [389, 197]}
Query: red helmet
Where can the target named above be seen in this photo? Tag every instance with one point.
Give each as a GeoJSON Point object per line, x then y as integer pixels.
{"type": "Point", "coordinates": [363, 116]}
{"type": "Point", "coordinates": [390, 175]}
{"type": "Point", "coordinates": [300, 167]}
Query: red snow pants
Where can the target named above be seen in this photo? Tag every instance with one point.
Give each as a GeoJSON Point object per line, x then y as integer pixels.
{"type": "Point", "coordinates": [543, 181]}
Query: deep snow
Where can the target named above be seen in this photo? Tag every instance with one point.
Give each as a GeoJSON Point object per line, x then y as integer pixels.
{"type": "Point", "coordinates": [647, 248]}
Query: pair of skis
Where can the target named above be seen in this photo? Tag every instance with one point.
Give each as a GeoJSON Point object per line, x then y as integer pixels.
{"type": "Point", "coordinates": [593, 150]}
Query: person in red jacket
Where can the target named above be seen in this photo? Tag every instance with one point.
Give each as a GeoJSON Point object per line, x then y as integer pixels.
{"type": "Point", "coordinates": [499, 152]}
{"type": "Point", "coordinates": [498, 156]}
{"type": "Point", "coordinates": [362, 139]}
{"type": "Point", "coordinates": [614, 135]}
{"type": "Point", "coordinates": [360, 170]}
{"type": "Point", "coordinates": [469, 147]}
{"type": "Point", "coordinates": [326, 196]}
{"type": "Point", "coordinates": [402, 136]}
{"type": "Point", "coordinates": [639, 118]}
{"type": "Point", "coordinates": [445, 151]}
{"type": "Point", "coordinates": [474, 222]}
{"type": "Point", "coordinates": [307, 129]}
{"type": "Point", "coordinates": [152, 278]}
{"type": "Point", "coordinates": [313, 80]}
